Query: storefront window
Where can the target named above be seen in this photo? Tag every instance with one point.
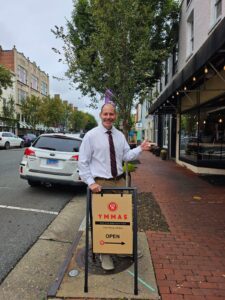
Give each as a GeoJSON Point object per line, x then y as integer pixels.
{"type": "Point", "coordinates": [165, 131]}
{"type": "Point", "coordinates": [202, 134]}
{"type": "Point", "coordinates": [156, 129]}
{"type": "Point", "coordinates": [188, 135]}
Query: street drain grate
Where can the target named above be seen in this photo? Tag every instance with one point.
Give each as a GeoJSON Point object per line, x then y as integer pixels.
{"type": "Point", "coordinates": [94, 267]}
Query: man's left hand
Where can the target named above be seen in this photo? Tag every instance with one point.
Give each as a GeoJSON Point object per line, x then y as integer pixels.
{"type": "Point", "coordinates": [145, 146]}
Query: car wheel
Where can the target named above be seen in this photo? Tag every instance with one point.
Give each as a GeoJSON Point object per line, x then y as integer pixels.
{"type": "Point", "coordinates": [21, 144]}
{"type": "Point", "coordinates": [33, 183]}
{"type": "Point", "coordinates": [7, 145]}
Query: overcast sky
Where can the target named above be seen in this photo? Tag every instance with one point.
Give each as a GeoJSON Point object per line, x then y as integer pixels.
{"type": "Point", "coordinates": [27, 24]}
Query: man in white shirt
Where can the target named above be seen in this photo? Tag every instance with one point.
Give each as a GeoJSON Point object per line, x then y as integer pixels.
{"type": "Point", "coordinates": [95, 167]}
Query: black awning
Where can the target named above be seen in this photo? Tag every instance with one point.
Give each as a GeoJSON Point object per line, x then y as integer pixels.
{"type": "Point", "coordinates": [208, 51]}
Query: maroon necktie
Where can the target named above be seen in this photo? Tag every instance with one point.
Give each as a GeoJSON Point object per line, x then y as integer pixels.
{"type": "Point", "coordinates": [112, 155]}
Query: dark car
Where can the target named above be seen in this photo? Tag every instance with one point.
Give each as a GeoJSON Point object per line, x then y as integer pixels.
{"type": "Point", "coordinates": [29, 138]}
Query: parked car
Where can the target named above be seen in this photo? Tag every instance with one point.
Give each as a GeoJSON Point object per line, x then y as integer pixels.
{"type": "Point", "coordinates": [52, 158]}
{"type": "Point", "coordinates": [9, 139]}
{"type": "Point", "coordinates": [28, 138]}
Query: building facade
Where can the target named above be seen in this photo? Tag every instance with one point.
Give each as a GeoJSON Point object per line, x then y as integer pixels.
{"type": "Point", "coordinates": [28, 79]}
{"type": "Point", "coordinates": [189, 112]}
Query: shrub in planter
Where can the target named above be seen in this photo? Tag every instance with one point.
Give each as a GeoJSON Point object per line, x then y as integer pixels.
{"type": "Point", "coordinates": [152, 147]}
{"type": "Point", "coordinates": [157, 151]}
{"type": "Point", "coordinates": [163, 154]}
{"type": "Point", "coordinates": [130, 167]}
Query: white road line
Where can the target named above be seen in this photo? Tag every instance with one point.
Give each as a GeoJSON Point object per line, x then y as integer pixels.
{"type": "Point", "coordinates": [5, 187]}
{"type": "Point", "coordinates": [82, 225]}
{"type": "Point", "coordinates": [30, 209]}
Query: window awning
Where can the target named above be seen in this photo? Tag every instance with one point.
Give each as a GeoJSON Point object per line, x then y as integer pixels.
{"type": "Point", "coordinates": [213, 50]}
{"type": "Point", "coordinates": [22, 124]}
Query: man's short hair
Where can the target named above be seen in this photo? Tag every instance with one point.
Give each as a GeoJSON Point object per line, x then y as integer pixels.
{"type": "Point", "coordinates": [109, 103]}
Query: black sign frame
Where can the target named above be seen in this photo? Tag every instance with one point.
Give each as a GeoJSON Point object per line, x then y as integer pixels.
{"type": "Point", "coordinates": [119, 190]}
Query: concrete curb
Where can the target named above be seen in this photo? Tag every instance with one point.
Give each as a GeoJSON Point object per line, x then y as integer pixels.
{"type": "Point", "coordinates": [31, 277]}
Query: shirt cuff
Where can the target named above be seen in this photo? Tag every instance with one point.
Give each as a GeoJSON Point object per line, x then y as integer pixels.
{"type": "Point", "coordinates": [90, 181]}
{"type": "Point", "coordinates": [139, 149]}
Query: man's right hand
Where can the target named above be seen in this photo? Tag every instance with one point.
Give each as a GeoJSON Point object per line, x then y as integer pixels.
{"type": "Point", "coordinates": [95, 188]}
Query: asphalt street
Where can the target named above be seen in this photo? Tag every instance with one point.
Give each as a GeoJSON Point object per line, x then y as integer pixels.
{"type": "Point", "coordinates": [25, 212]}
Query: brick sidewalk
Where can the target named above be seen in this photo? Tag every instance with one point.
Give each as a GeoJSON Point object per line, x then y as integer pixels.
{"type": "Point", "coordinates": [189, 261]}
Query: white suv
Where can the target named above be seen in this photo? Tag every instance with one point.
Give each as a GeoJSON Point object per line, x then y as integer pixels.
{"type": "Point", "coordinates": [9, 139]}
{"type": "Point", "coordinates": [52, 158]}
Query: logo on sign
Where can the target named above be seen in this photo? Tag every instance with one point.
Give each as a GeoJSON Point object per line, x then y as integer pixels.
{"type": "Point", "coordinates": [112, 206]}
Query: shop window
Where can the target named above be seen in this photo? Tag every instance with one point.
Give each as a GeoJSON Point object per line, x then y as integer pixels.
{"type": "Point", "coordinates": [156, 124]}
{"type": "Point", "coordinates": [202, 134]}
{"type": "Point", "coordinates": [188, 135]}
{"type": "Point", "coordinates": [165, 131]}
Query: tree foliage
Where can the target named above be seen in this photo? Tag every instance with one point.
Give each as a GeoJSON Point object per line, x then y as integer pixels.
{"type": "Point", "coordinates": [53, 112]}
{"type": "Point", "coordinates": [30, 108]}
{"type": "Point", "coordinates": [5, 79]}
{"type": "Point", "coordinates": [119, 45]}
{"type": "Point", "coordinates": [8, 112]}
{"type": "Point", "coordinates": [82, 121]}
{"type": "Point", "coordinates": [90, 122]}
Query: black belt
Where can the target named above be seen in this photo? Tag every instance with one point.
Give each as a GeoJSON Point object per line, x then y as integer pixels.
{"type": "Point", "coordinates": [113, 178]}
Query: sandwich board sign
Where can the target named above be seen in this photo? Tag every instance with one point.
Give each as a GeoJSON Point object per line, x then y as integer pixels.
{"type": "Point", "coordinates": [112, 223]}
{"type": "Point", "coordinates": [113, 220]}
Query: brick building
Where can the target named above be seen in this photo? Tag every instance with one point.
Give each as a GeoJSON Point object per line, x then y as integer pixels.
{"type": "Point", "coordinates": [28, 79]}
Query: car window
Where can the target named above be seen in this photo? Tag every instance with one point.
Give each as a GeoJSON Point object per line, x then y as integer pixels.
{"type": "Point", "coordinates": [30, 135]}
{"type": "Point", "coordinates": [57, 143]}
{"type": "Point", "coordinates": [7, 134]}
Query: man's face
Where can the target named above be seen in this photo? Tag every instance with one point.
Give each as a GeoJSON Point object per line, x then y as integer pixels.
{"type": "Point", "coordinates": [108, 116]}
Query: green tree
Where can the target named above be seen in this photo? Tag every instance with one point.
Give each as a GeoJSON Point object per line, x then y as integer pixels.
{"type": "Point", "coordinates": [119, 45]}
{"type": "Point", "coordinates": [30, 108]}
{"type": "Point", "coordinates": [51, 111]}
{"type": "Point", "coordinates": [82, 121]}
{"type": "Point", "coordinates": [90, 122]}
{"type": "Point", "coordinates": [67, 111]}
{"type": "Point", "coordinates": [8, 112]}
{"type": "Point", "coordinates": [77, 121]}
{"type": "Point", "coordinates": [5, 79]}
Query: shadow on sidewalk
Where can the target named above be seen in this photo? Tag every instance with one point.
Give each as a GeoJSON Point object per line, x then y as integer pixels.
{"type": "Point", "coordinates": [150, 216]}
{"type": "Point", "coordinates": [217, 180]}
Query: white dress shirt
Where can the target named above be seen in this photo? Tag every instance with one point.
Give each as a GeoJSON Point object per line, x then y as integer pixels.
{"type": "Point", "coordinates": [94, 154]}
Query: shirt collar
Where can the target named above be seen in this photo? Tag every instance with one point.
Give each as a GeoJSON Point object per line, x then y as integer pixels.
{"type": "Point", "coordinates": [105, 129]}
